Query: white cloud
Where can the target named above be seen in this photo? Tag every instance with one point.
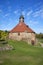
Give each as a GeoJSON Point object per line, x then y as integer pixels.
{"type": "Point", "coordinates": [33, 22]}
{"type": "Point", "coordinates": [38, 13]}
{"type": "Point", "coordinates": [6, 15]}
{"type": "Point", "coordinates": [41, 14]}
{"type": "Point", "coordinates": [38, 4]}
{"type": "Point", "coordinates": [16, 11]}
{"type": "Point", "coordinates": [24, 12]}
{"type": "Point", "coordinates": [29, 12]}
{"type": "Point", "coordinates": [35, 14]}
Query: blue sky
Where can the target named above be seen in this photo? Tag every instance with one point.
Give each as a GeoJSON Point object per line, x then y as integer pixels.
{"type": "Point", "coordinates": [10, 11]}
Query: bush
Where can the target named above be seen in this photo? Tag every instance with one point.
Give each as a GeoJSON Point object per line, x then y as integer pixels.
{"type": "Point", "coordinates": [3, 35]}
{"type": "Point", "coordinates": [40, 36]}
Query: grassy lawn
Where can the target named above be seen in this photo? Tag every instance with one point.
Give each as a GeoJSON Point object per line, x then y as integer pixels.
{"type": "Point", "coordinates": [23, 54]}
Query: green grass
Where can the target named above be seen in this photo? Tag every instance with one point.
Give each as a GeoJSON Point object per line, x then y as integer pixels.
{"type": "Point", "coordinates": [23, 54]}
{"type": "Point", "coordinates": [40, 41]}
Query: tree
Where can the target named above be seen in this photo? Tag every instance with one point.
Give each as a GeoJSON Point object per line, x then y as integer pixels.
{"type": "Point", "coordinates": [39, 35]}
{"type": "Point", "coordinates": [0, 35]}
{"type": "Point", "coordinates": [4, 35]}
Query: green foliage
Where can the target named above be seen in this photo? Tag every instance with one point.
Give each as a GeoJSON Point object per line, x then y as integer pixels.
{"type": "Point", "coordinates": [40, 36]}
{"type": "Point", "coordinates": [40, 40]}
{"type": "Point", "coordinates": [3, 35]}
{"type": "Point", "coordinates": [0, 35]}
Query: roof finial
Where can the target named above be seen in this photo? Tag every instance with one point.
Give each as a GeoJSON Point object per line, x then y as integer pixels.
{"type": "Point", "coordinates": [21, 18]}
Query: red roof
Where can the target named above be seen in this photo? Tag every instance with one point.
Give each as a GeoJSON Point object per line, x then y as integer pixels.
{"type": "Point", "coordinates": [21, 27]}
